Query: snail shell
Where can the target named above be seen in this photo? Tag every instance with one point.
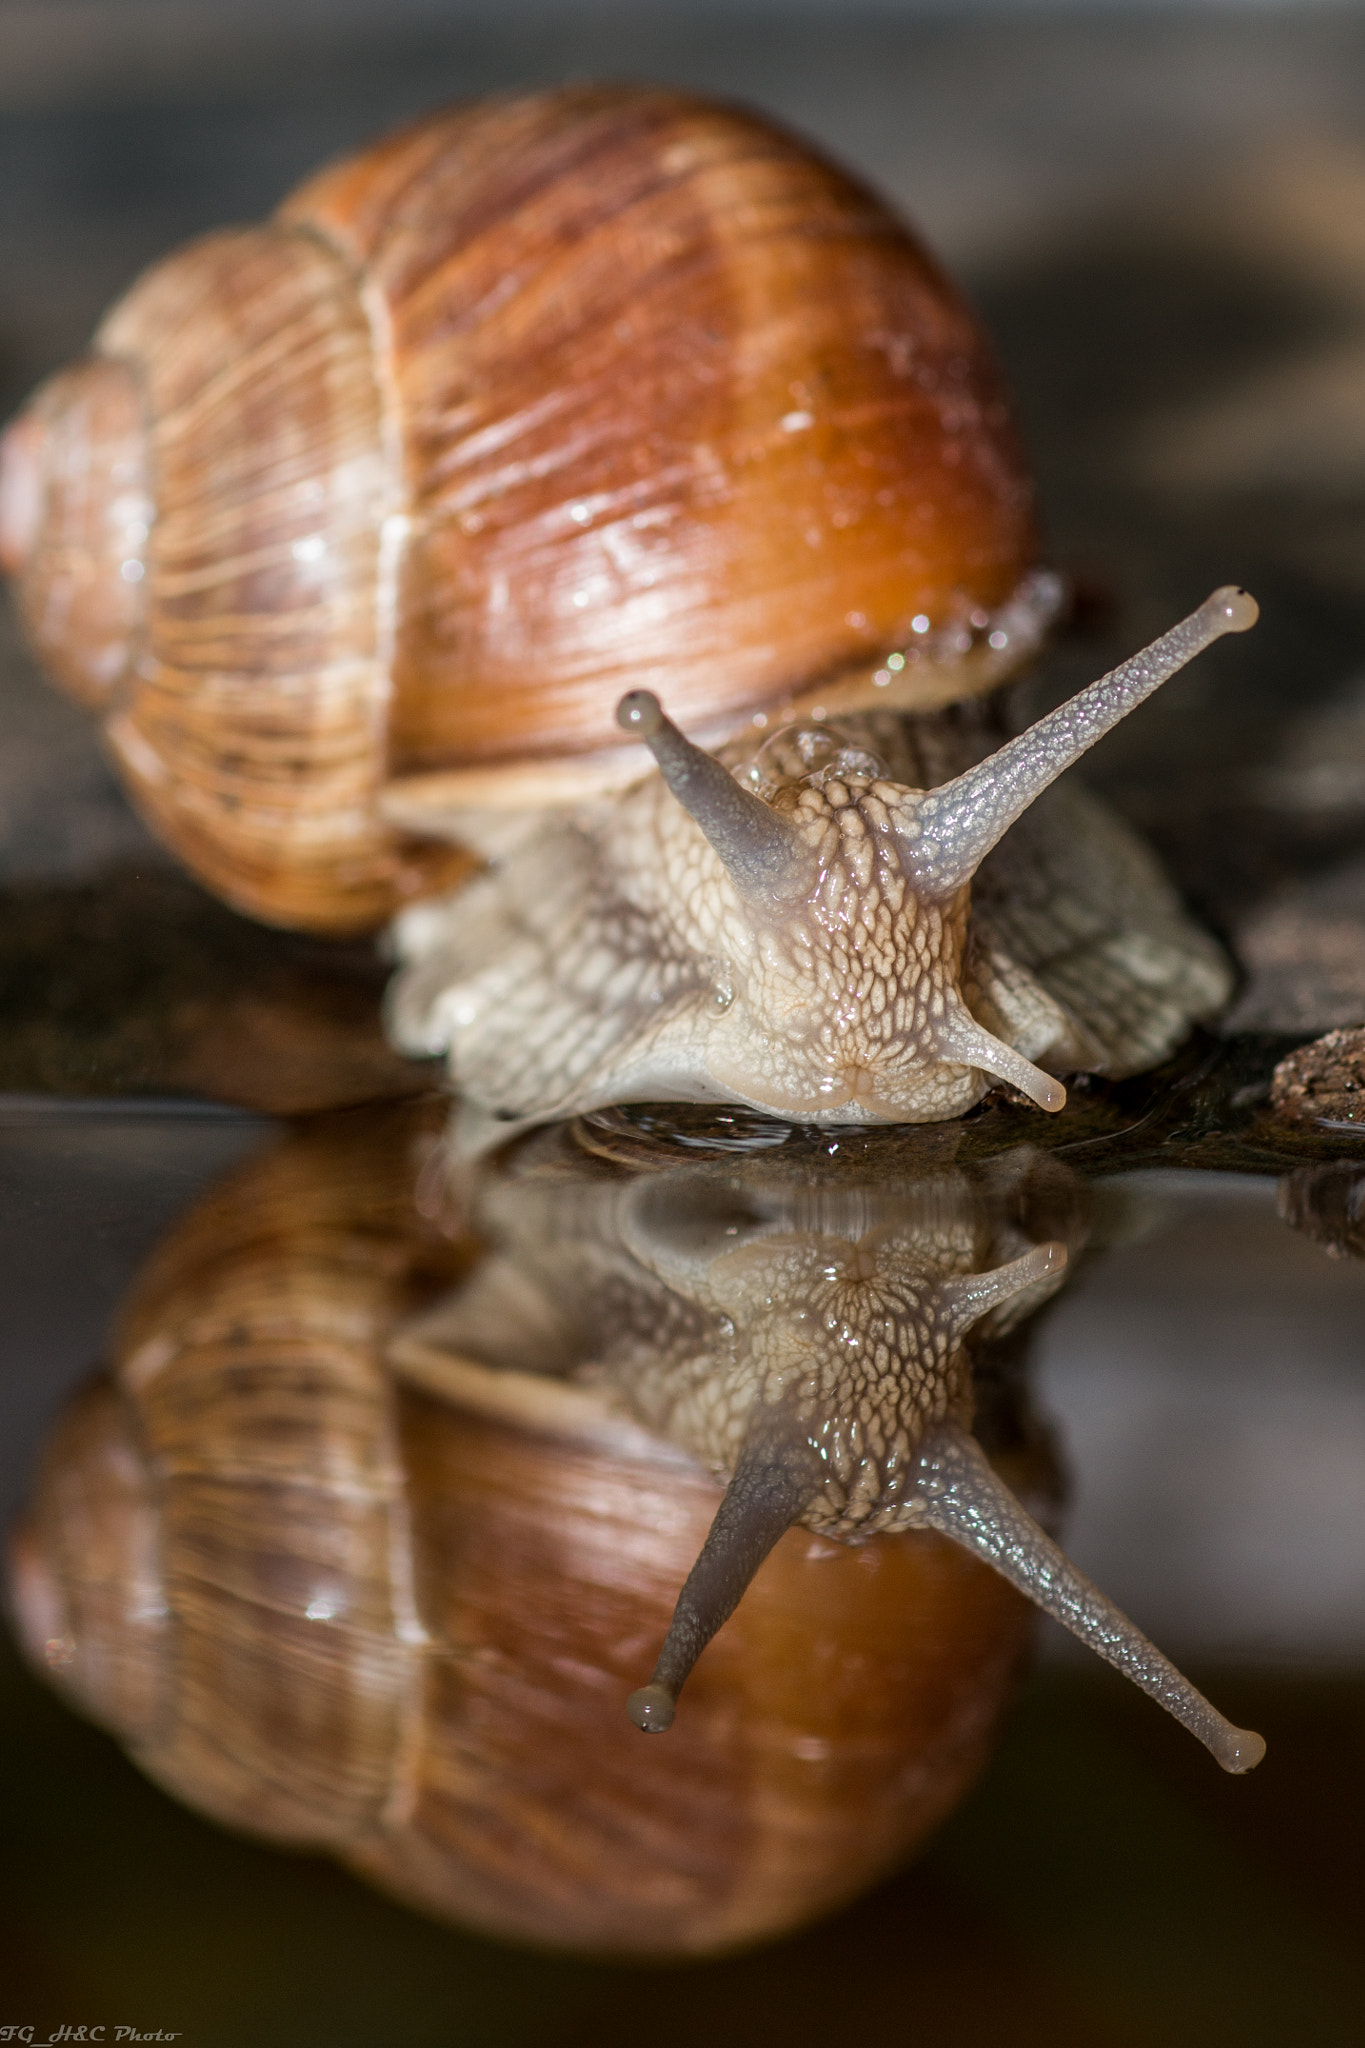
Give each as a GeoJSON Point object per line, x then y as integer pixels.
{"type": "Point", "coordinates": [377, 509]}
{"type": "Point", "coordinates": [345, 1611]}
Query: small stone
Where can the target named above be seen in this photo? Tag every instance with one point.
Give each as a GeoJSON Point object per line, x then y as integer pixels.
{"type": "Point", "coordinates": [1323, 1083]}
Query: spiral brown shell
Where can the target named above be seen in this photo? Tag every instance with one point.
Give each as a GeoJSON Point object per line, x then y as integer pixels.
{"type": "Point", "coordinates": [377, 508]}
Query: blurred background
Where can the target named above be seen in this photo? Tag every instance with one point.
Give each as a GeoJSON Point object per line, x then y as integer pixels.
{"type": "Point", "coordinates": [1161, 212]}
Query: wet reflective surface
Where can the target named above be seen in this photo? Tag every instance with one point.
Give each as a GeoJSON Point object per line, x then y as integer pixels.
{"type": "Point", "coordinates": [383, 1509]}
{"type": "Point", "coordinates": [362, 1580]}
{"type": "Point", "coordinates": [1161, 224]}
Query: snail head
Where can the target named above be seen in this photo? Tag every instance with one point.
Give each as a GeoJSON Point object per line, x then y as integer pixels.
{"type": "Point", "coordinates": [840, 900]}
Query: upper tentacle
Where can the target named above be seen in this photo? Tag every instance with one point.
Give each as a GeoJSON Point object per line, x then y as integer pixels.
{"type": "Point", "coordinates": [763, 856]}
{"type": "Point", "coordinates": [946, 833]}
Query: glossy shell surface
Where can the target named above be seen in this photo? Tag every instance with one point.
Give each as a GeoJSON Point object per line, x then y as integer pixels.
{"type": "Point", "coordinates": [379, 507]}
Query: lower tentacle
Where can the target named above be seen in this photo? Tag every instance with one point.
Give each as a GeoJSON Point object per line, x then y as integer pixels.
{"type": "Point", "coordinates": [966, 1500]}
{"type": "Point", "coordinates": [775, 1480]}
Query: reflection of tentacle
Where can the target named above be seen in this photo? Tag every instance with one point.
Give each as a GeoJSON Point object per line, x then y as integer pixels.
{"type": "Point", "coordinates": [775, 1479]}
{"type": "Point", "coordinates": [958, 1037]}
{"type": "Point", "coordinates": [964, 1499]}
{"type": "Point", "coordinates": [962, 1302]}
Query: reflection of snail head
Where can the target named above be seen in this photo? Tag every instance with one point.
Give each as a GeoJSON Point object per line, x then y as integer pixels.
{"type": "Point", "coordinates": [821, 1371]}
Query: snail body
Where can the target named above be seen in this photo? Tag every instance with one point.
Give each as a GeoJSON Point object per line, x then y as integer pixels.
{"type": "Point", "coordinates": [358, 526]}
{"type": "Point", "coordinates": [802, 936]}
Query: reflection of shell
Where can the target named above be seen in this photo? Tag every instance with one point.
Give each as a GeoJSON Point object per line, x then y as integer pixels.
{"type": "Point", "coordinates": [347, 1613]}
{"type": "Point", "coordinates": [836, 1721]}
{"type": "Point", "coordinates": [1327, 1203]}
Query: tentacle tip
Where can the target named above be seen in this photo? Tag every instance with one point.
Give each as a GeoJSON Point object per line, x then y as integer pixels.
{"type": "Point", "coordinates": [1240, 1750]}
{"type": "Point", "coordinates": [1234, 610]}
{"type": "Point", "coordinates": [651, 1708]}
{"type": "Point", "coordinates": [640, 714]}
{"type": "Point", "coordinates": [1050, 1095]}
{"type": "Point", "coordinates": [1049, 1258]}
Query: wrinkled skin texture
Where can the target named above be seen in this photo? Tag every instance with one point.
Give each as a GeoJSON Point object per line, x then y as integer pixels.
{"type": "Point", "coordinates": [611, 957]}
{"type": "Point", "coordinates": [704, 1304]}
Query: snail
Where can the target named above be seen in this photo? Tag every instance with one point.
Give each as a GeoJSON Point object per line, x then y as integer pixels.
{"type": "Point", "coordinates": [394, 1616]}
{"type": "Point", "coordinates": [393, 536]}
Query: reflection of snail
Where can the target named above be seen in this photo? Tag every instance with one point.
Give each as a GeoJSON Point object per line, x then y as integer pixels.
{"type": "Point", "coordinates": [394, 1610]}
{"type": "Point", "coordinates": [347, 1612]}
{"type": "Point", "coordinates": [820, 1367]}
{"type": "Point", "coordinates": [357, 525]}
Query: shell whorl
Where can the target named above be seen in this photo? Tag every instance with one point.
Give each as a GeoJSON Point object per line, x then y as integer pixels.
{"type": "Point", "coordinates": [198, 516]}
{"type": "Point", "coordinates": [75, 511]}
{"type": "Point", "coordinates": [252, 731]}
{"type": "Point", "coordinates": [86, 1581]}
